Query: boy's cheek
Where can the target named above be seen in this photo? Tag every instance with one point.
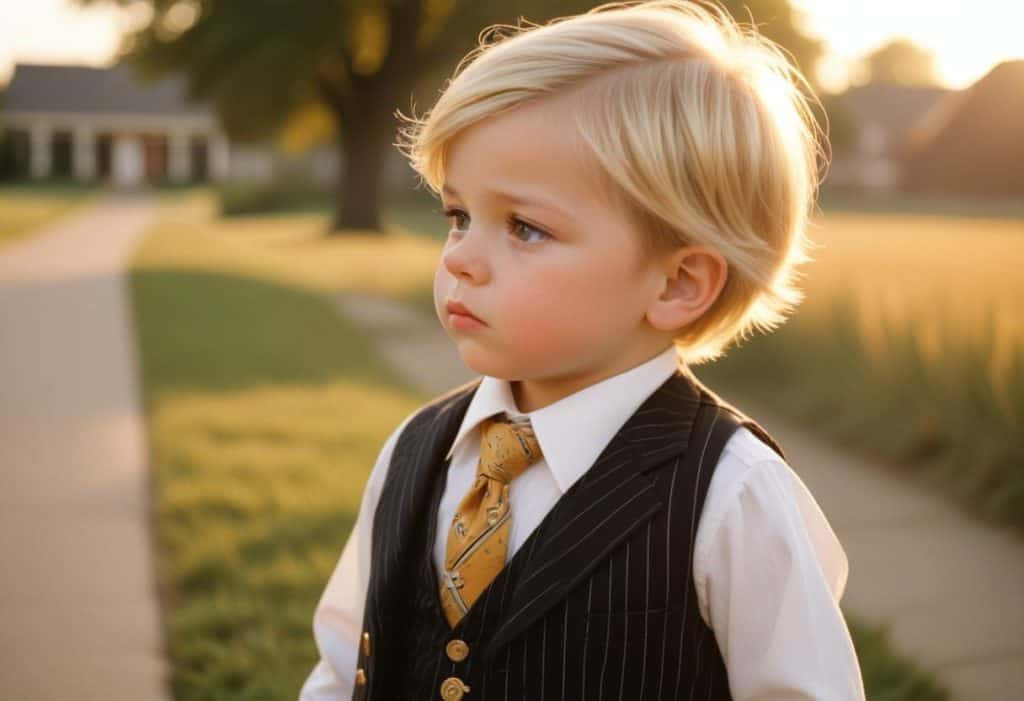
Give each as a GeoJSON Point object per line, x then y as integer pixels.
{"type": "Point", "coordinates": [545, 330]}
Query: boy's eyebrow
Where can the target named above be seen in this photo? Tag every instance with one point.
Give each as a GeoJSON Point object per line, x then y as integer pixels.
{"type": "Point", "coordinates": [514, 199]}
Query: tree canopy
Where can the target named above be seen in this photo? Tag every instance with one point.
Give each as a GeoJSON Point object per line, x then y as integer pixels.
{"type": "Point", "coordinates": [900, 61]}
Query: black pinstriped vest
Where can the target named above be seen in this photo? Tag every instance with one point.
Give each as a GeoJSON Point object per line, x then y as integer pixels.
{"type": "Point", "coordinates": [598, 602]}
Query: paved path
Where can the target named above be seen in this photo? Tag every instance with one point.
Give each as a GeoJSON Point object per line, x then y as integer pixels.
{"type": "Point", "coordinates": [77, 599]}
{"type": "Point", "coordinates": [951, 589]}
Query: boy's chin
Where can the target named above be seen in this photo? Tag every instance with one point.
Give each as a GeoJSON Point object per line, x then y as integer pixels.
{"type": "Point", "coordinates": [486, 364]}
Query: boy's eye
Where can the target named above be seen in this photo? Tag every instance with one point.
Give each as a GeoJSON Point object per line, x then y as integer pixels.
{"type": "Point", "coordinates": [520, 226]}
{"type": "Point", "coordinates": [455, 213]}
{"type": "Point", "coordinates": [520, 229]}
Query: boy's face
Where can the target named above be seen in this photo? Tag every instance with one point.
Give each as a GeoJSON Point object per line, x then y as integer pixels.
{"type": "Point", "coordinates": [550, 267]}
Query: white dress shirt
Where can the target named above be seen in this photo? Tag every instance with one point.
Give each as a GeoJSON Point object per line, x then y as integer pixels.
{"type": "Point", "coordinates": [768, 569]}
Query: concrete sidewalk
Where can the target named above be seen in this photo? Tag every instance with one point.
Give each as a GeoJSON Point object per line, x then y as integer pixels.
{"type": "Point", "coordinates": [80, 616]}
{"type": "Point", "coordinates": [951, 589]}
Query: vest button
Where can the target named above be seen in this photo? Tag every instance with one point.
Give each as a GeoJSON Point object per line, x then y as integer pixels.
{"type": "Point", "coordinates": [457, 650]}
{"type": "Point", "coordinates": [366, 644]}
{"type": "Point", "coordinates": [453, 688]}
{"type": "Point", "coordinates": [360, 677]}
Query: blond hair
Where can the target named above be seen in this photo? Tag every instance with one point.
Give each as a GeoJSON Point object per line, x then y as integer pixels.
{"type": "Point", "coordinates": [698, 124]}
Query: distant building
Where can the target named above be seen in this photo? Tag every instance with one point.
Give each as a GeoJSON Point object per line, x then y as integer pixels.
{"type": "Point", "coordinates": [882, 115]}
{"type": "Point", "coordinates": [972, 142]}
{"type": "Point", "coordinates": [104, 123]}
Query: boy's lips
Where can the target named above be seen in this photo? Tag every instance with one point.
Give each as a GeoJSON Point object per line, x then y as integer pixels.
{"type": "Point", "coordinates": [454, 307]}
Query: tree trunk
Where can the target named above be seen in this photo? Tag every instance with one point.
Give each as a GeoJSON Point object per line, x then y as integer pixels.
{"type": "Point", "coordinates": [367, 124]}
{"type": "Point", "coordinates": [361, 150]}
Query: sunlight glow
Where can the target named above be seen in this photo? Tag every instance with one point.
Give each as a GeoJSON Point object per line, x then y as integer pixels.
{"type": "Point", "coordinates": [61, 31]}
{"type": "Point", "coordinates": [967, 38]}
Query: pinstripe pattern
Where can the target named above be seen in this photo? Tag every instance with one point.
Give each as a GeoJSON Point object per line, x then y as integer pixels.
{"type": "Point", "coordinates": [598, 603]}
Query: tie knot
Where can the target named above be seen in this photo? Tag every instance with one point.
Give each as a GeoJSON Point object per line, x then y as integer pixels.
{"type": "Point", "coordinates": [507, 448]}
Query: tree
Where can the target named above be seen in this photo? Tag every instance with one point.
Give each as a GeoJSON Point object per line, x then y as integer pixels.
{"type": "Point", "coordinates": [261, 62]}
{"type": "Point", "coordinates": [900, 61]}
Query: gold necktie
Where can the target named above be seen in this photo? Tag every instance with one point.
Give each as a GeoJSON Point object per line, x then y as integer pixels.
{"type": "Point", "coordinates": [478, 536]}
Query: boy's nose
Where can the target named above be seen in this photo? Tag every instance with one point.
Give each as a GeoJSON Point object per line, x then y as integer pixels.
{"type": "Point", "coordinates": [465, 260]}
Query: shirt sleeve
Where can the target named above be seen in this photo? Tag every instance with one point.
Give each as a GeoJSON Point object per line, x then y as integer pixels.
{"type": "Point", "coordinates": [338, 619]}
{"type": "Point", "coordinates": [769, 573]}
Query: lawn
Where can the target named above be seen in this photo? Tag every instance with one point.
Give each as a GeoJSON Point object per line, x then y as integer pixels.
{"type": "Point", "coordinates": [26, 208]}
{"type": "Point", "coordinates": [265, 412]}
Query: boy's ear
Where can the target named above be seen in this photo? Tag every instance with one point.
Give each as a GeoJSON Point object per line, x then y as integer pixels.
{"type": "Point", "coordinates": [691, 280]}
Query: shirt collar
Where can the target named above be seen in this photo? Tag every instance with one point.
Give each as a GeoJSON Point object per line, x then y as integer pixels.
{"type": "Point", "coordinates": [573, 431]}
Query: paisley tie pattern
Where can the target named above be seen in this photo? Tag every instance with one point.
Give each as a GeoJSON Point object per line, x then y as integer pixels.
{"type": "Point", "coordinates": [478, 536]}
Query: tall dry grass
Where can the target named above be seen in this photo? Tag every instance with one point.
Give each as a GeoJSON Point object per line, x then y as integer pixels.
{"type": "Point", "coordinates": [909, 347]}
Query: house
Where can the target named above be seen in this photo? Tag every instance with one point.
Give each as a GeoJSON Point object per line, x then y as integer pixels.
{"type": "Point", "coordinates": [881, 114]}
{"type": "Point", "coordinates": [972, 142]}
{"type": "Point", "coordinates": [107, 124]}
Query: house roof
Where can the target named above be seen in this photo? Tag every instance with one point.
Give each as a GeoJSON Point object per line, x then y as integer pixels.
{"type": "Point", "coordinates": [85, 90]}
{"type": "Point", "coordinates": [972, 141]}
{"type": "Point", "coordinates": [890, 106]}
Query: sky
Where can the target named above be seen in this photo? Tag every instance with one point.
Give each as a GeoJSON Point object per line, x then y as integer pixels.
{"type": "Point", "coordinates": [968, 37]}
{"type": "Point", "coordinates": [58, 31]}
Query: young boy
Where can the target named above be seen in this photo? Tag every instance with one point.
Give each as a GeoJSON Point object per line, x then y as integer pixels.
{"type": "Point", "coordinates": [628, 191]}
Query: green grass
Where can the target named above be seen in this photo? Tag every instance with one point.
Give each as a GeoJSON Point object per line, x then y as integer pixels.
{"type": "Point", "coordinates": [26, 208]}
{"type": "Point", "coordinates": [889, 676]}
{"type": "Point", "coordinates": [266, 411]}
